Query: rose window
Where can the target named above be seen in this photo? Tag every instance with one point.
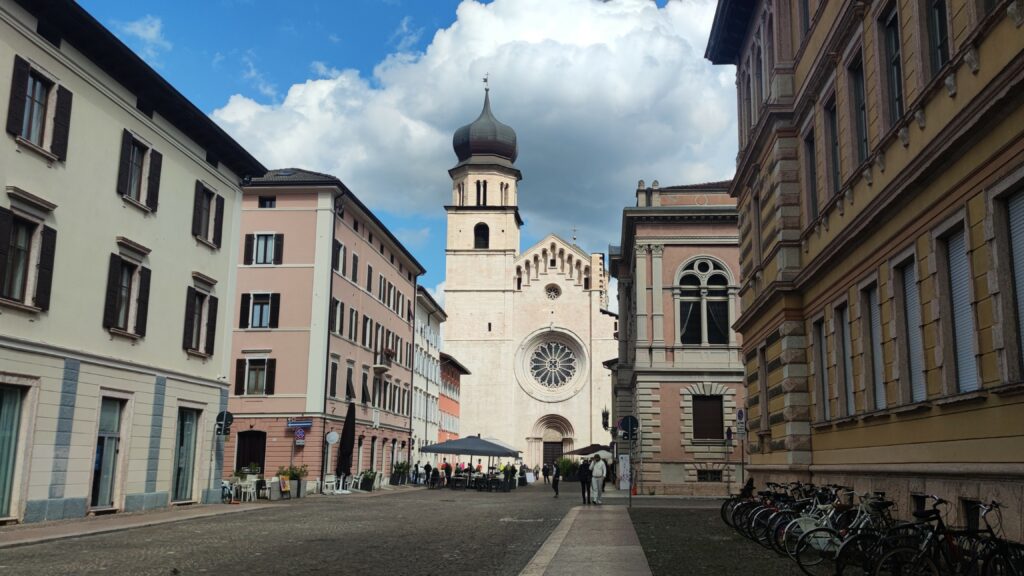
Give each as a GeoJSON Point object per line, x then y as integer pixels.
{"type": "Point", "coordinates": [552, 291]}
{"type": "Point", "coordinates": [552, 364]}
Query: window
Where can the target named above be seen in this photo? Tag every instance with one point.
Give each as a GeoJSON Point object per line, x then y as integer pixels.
{"type": "Point", "coordinates": [367, 331]}
{"type": "Point", "coordinates": [255, 376]}
{"type": "Point", "coordinates": [832, 133]}
{"type": "Point", "coordinates": [893, 63]}
{"type": "Point", "coordinates": [821, 370]}
{"type": "Point", "coordinates": [353, 324]}
{"type": "Point", "coordinates": [333, 390]}
{"type": "Point", "coordinates": [481, 237]}
{"type": "Point", "coordinates": [703, 300]}
{"type": "Point", "coordinates": [844, 361]}
{"type": "Point", "coordinates": [126, 306]}
{"type": "Point", "coordinates": [858, 100]}
{"type": "Point", "coordinates": [200, 321]}
{"type": "Point", "coordinates": [337, 319]}
{"type": "Point", "coordinates": [938, 35]}
{"type": "Point", "coordinates": [264, 248]}
{"type": "Point", "coordinates": [811, 167]}
{"type": "Point", "coordinates": [708, 423]}
{"type": "Point", "coordinates": [369, 278]}
{"type": "Point", "coordinates": [26, 270]}
{"type": "Point", "coordinates": [1015, 228]}
{"type": "Point", "coordinates": [138, 176]}
{"type": "Point", "coordinates": [260, 311]}
{"type": "Point", "coordinates": [962, 311]}
{"type": "Point", "coordinates": [871, 327]}
{"type": "Point", "coordinates": [366, 388]}
{"type": "Point", "coordinates": [912, 351]}
{"type": "Point", "coordinates": [709, 475]}
{"type": "Point", "coordinates": [268, 202]}
{"type": "Point", "coordinates": [207, 215]}
{"type": "Point", "coordinates": [10, 416]}
{"type": "Point", "coordinates": [34, 114]}
{"type": "Point", "coordinates": [350, 389]}
{"type": "Point", "coordinates": [805, 16]}
{"type": "Point", "coordinates": [355, 267]}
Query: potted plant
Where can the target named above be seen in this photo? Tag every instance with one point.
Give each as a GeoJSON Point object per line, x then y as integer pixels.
{"type": "Point", "coordinates": [295, 476]}
{"type": "Point", "coordinates": [366, 480]}
{"type": "Point", "coordinates": [399, 473]}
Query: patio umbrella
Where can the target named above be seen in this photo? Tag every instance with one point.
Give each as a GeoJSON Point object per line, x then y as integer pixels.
{"type": "Point", "coordinates": [348, 441]}
{"type": "Point", "coordinates": [470, 446]}
{"type": "Point", "coordinates": [591, 450]}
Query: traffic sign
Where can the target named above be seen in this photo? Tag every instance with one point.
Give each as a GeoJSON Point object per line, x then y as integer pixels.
{"type": "Point", "coordinates": [332, 437]}
{"type": "Point", "coordinates": [300, 436]}
{"type": "Point", "coordinates": [224, 420]}
{"type": "Point", "coordinates": [629, 424]}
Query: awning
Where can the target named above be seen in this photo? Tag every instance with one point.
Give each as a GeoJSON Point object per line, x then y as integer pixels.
{"type": "Point", "coordinates": [470, 446]}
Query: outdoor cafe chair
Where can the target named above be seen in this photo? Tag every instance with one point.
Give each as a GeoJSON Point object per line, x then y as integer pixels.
{"type": "Point", "coordinates": [330, 483]}
{"type": "Point", "coordinates": [248, 490]}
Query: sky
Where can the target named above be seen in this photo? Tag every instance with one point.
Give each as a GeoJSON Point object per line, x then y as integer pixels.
{"type": "Point", "coordinates": [601, 94]}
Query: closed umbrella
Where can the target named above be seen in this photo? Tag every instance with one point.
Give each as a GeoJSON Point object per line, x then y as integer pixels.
{"type": "Point", "coordinates": [348, 442]}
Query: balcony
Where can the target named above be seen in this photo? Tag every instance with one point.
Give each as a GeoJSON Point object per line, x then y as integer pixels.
{"type": "Point", "coordinates": [382, 360]}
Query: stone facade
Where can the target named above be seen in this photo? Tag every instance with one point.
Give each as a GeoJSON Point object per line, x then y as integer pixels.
{"type": "Point", "coordinates": [677, 268]}
{"type": "Point", "coordinates": [879, 179]}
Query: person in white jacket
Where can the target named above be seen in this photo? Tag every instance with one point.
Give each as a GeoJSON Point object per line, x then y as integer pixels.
{"type": "Point", "coordinates": [597, 472]}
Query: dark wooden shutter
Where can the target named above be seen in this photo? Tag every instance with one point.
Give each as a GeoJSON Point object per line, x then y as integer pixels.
{"type": "Point", "coordinates": [275, 309]}
{"type": "Point", "coordinates": [243, 313]}
{"type": "Point", "coordinates": [334, 379]}
{"type": "Point", "coordinates": [124, 169]}
{"type": "Point", "coordinates": [197, 210]}
{"type": "Point", "coordinates": [61, 124]}
{"type": "Point", "coordinates": [350, 389]}
{"type": "Point", "coordinates": [707, 418]}
{"type": "Point", "coordinates": [247, 254]}
{"type": "Point", "coordinates": [271, 375]}
{"type": "Point", "coordinates": [190, 313]}
{"type": "Point", "coordinates": [142, 303]}
{"type": "Point", "coordinates": [218, 222]}
{"type": "Point", "coordinates": [278, 248]}
{"type": "Point", "coordinates": [331, 322]}
{"type": "Point", "coordinates": [239, 376]}
{"type": "Point", "coordinates": [6, 223]}
{"type": "Point", "coordinates": [44, 280]}
{"type": "Point", "coordinates": [110, 302]}
{"type": "Point", "coordinates": [19, 90]}
{"type": "Point", "coordinates": [335, 252]}
{"type": "Point", "coordinates": [211, 323]}
{"type": "Point", "coordinates": [156, 161]}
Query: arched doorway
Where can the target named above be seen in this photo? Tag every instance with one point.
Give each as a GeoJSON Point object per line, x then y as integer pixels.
{"type": "Point", "coordinates": [552, 436]}
{"type": "Point", "coordinates": [252, 449]}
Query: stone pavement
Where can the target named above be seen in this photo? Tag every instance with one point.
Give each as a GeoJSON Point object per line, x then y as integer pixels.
{"type": "Point", "coordinates": [591, 538]}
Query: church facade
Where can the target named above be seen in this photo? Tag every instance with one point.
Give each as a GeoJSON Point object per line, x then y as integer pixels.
{"type": "Point", "coordinates": [532, 326]}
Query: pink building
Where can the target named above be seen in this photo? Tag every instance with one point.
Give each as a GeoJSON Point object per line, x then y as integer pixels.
{"type": "Point", "coordinates": [325, 317]}
{"type": "Point", "coordinates": [448, 397]}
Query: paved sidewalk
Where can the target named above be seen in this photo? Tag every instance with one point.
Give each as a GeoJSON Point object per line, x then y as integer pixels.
{"type": "Point", "coordinates": [590, 537]}
{"type": "Point", "coordinates": [24, 534]}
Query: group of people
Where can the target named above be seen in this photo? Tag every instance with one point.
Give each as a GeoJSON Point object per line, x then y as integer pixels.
{"type": "Point", "coordinates": [441, 475]}
{"type": "Point", "coordinates": [592, 474]}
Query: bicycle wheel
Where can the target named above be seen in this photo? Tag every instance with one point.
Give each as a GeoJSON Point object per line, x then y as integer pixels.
{"type": "Point", "coordinates": [794, 532]}
{"type": "Point", "coordinates": [856, 555]}
{"type": "Point", "coordinates": [816, 552]}
{"type": "Point", "coordinates": [777, 525]}
{"type": "Point", "coordinates": [726, 510]}
{"type": "Point", "coordinates": [905, 562]}
{"type": "Point", "coordinates": [1007, 561]}
{"type": "Point", "coordinates": [759, 527]}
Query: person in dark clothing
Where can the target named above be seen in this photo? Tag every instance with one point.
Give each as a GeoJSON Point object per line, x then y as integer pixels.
{"type": "Point", "coordinates": [556, 475]}
{"type": "Point", "coordinates": [546, 471]}
{"type": "Point", "coordinates": [416, 473]}
{"type": "Point", "coordinates": [435, 478]}
{"type": "Point", "coordinates": [426, 474]}
{"type": "Point", "coordinates": [584, 478]}
{"type": "Point", "coordinates": [447, 472]}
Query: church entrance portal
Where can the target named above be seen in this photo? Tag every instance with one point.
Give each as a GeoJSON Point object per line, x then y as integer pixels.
{"type": "Point", "coordinates": [552, 451]}
{"type": "Point", "coordinates": [552, 437]}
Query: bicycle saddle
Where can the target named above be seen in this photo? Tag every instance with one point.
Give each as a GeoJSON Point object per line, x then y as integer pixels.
{"type": "Point", "coordinates": [881, 504]}
{"type": "Point", "coordinates": [926, 514]}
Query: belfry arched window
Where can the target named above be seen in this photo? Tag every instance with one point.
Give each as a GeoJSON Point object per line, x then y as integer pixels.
{"type": "Point", "coordinates": [481, 236]}
{"type": "Point", "coordinates": [704, 303]}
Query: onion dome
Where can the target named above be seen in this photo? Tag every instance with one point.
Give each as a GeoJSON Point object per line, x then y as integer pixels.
{"type": "Point", "coordinates": [485, 136]}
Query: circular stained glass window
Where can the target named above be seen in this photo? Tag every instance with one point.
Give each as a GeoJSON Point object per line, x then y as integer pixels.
{"type": "Point", "coordinates": [552, 291]}
{"type": "Point", "coordinates": [552, 364]}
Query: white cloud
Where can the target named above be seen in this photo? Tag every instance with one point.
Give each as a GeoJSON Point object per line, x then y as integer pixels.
{"type": "Point", "coordinates": [253, 74]}
{"type": "Point", "coordinates": [405, 36]}
{"type": "Point", "coordinates": [438, 293]}
{"type": "Point", "coordinates": [333, 38]}
{"type": "Point", "coordinates": [217, 59]}
{"type": "Point", "coordinates": [601, 94]}
{"type": "Point", "coordinates": [613, 294]}
{"type": "Point", "coordinates": [413, 237]}
{"type": "Point", "coordinates": [149, 31]}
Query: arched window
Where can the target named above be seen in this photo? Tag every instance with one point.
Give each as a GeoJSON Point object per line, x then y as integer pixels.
{"type": "Point", "coordinates": [703, 303]}
{"type": "Point", "coordinates": [481, 236]}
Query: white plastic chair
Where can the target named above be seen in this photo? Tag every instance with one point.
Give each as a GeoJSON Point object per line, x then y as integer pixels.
{"type": "Point", "coordinates": [265, 492]}
{"type": "Point", "coordinates": [330, 483]}
{"type": "Point", "coordinates": [248, 491]}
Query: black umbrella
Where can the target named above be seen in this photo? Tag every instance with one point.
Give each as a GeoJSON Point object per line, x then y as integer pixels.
{"type": "Point", "coordinates": [470, 446]}
{"type": "Point", "coordinates": [348, 441]}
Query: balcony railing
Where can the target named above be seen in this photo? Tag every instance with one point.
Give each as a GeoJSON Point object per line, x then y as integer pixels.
{"type": "Point", "coordinates": [382, 361]}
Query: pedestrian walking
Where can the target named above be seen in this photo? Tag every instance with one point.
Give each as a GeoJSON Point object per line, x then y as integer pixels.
{"type": "Point", "coordinates": [416, 473]}
{"type": "Point", "coordinates": [546, 471]}
{"type": "Point", "coordinates": [584, 478]}
{"type": "Point", "coordinates": [598, 470]}
{"type": "Point", "coordinates": [556, 475]}
{"type": "Point", "coordinates": [426, 474]}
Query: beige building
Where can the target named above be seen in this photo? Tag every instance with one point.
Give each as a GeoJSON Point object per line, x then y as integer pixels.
{"type": "Point", "coordinates": [679, 370]}
{"type": "Point", "coordinates": [426, 377]}
{"type": "Point", "coordinates": [117, 225]}
{"type": "Point", "coordinates": [880, 184]}
{"type": "Point", "coordinates": [530, 325]}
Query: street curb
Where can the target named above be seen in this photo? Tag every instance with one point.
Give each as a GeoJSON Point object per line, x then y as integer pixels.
{"type": "Point", "coordinates": [123, 527]}
{"type": "Point", "coordinates": [540, 561]}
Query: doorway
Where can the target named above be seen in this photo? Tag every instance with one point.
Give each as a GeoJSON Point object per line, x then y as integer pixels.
{"type": "Point", "coordinates": [10, 416]}
{"type": "Point", "coordinates": [185, 454]}
{"type": "Point", "coordinates": [108, 443]}
{"type": "Point", "coordinates": [252, 449]}
{"type": "Point", "coordinates": [552, 451]}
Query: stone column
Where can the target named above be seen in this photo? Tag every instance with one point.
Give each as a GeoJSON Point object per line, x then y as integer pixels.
{"type": "Point", "coordinates": [657, 304]}
{"type": "Point", "coordinates": [734, 313]}
{"type": "Point", "coordinates": [640, 292]}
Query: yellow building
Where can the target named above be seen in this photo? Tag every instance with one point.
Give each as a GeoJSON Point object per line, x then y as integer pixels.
{"type": "Point", "coordinates": [880, 183]}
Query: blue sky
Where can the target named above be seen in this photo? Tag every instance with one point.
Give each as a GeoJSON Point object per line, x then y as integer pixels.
{"type": "Point", "coordinates": [600, 94]}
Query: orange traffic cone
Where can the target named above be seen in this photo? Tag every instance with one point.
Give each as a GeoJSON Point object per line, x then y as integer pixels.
{"type": "Point", "coordinates": [633, 490]}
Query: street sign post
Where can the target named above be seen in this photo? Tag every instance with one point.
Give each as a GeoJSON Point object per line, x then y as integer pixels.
{"type": "Point", "coordinates": [300, 436]}
{"type": "Point", "coordinates": [224, 420]}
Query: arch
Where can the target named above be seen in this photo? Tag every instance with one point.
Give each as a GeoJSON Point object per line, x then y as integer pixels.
{"type": "Point", "coordinates": [554, 422]}
{"type": "Point", "coordinates": [481, 236]}
{"type": "Point", "coordinates": [717, 263]}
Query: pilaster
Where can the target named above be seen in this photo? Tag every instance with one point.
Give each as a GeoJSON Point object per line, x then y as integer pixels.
{"type": "Point", "coordinates": [657, 304]}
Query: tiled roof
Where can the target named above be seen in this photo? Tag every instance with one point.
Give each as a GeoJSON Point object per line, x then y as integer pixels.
{"type": "Point", "coordinates": [295, 176]}
{"type": "Point", "coordinates": [723, 184]}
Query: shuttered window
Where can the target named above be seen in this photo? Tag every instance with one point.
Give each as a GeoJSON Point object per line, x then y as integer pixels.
{"type": "Point", "coordinates": [255, 376]}
{"type": "Point", "coordinates": [126, 305]}
{"type": "Point", "coordinates": [200, 321]}
{"type": "Point", "coordinates": [708, 422]}
{"type": "Point", "coordinates": [843, 359]}
{"type": "Point", "coordinates": [914, 345]}
{"type": "Point", "coordinates": [963, 313]}
{"type": "Point", "coordinates": [29, 115]}
{"type": "Point", "coordinates": [875, 333]}
{"type": "Point", "coordinates": [207, 215]}
{"type": "Point", "coordinates": [1015, 209]}
{"type": "Point", "coordinates": [334, 380]}
{"type": "Point", "coordinates": [821, 369]}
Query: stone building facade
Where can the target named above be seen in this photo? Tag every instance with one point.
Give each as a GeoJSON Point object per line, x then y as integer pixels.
{"type": "Point", "coordinates": [530, 325]}
{"type": "Point", "coordinates": [120, 199]}
{"type": "Point", "coordinates": [325, 314]}
{"type": "Point", "coordinates": [679, 369]}
{"type": "Point", "coordinates": [879, 183]}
